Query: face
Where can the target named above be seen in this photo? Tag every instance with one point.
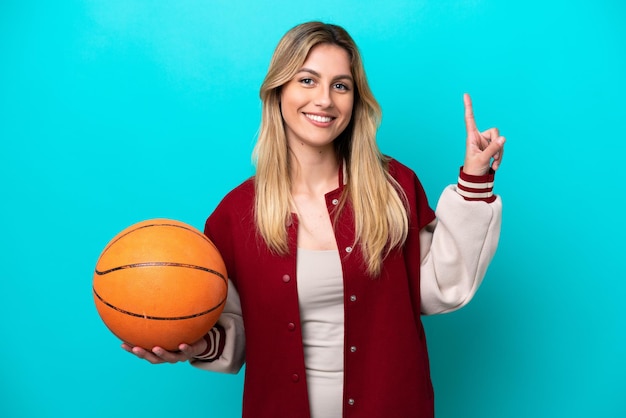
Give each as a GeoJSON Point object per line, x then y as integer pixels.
{"type": "Point", "coordinates": [317, 103]}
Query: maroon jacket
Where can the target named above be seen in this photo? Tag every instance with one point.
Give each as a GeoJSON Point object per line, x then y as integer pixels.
{"type": "Point", "coordinates": [386, 368]}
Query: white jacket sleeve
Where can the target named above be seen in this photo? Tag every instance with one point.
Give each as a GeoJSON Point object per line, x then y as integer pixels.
{"type": "Point", "coordinates": [231, 357]}
{"type": "Point", "coordinates": [456, 249]}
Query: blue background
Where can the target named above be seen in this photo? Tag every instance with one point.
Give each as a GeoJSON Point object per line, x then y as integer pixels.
{"type": "Point", "coordinates": [112, 112]}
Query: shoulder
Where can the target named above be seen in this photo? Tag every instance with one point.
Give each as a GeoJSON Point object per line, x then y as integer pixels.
{"type": "Point", "coordinates": [234, 210]}
{"type": "Point", "coordinates": [232, 223]}
{"type": "Point", "coordinates": [413, 190]}
{"type": "Point", "coordinates": [237, 203]}
{"type": "Point", "coordinates": [404, 175]}
{"type": "Point", "coordinates": [239, 196]}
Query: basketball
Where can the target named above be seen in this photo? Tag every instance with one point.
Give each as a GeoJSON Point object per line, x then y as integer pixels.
{"type": "Point", "coordinates": [160, 283]}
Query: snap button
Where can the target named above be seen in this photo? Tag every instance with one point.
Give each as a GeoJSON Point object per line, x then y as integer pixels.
{"type": "Point", "coordinates": [353, 348]}
{"type": "Point", "coordinates": [353, 298]}
{"type": "Point", "coordinates": [295, 377]}
{"type": "Point", "coordinates": [291, 326]}
{"type": "Point", "coordinates": [350, 401]}
{"type": "Point", "coordinates": [286, 278]}
{"type": "Point", "coordinates": [335, 202]}
{"type": "Point", "coordinates": [348, 249]}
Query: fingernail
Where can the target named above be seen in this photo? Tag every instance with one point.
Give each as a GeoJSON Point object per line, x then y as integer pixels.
{"type": "Point", "coordinates": [500, 140]}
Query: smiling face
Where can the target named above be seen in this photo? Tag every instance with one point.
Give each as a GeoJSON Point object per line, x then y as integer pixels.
{"type": "Point", "coordinates": [316, 105]}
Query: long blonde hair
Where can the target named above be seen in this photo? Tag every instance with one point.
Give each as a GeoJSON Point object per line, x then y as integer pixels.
{"type": "Point", "coordinates": [379, 205]}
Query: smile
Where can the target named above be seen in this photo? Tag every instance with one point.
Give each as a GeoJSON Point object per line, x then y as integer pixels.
{"type": "Point", "coordinates": [318, 118]}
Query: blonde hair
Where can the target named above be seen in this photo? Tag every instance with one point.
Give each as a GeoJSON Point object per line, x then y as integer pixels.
{"type": "Point", "coordinates": [378, 202]}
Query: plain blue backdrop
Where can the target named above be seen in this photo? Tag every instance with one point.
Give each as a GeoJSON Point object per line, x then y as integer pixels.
{"type": "Point", "coordinates": [112, 112]}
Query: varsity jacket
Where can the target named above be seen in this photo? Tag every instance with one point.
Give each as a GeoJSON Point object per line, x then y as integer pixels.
{"type": "Point", "coordinates": [386, 367]}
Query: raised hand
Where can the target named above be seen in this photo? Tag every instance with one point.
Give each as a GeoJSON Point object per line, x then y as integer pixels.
{"type": "Point", "coordinates": [480, 147]}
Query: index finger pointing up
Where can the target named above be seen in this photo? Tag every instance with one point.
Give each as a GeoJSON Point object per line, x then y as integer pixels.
{"type": "Point", "coordinates": [470, 122]}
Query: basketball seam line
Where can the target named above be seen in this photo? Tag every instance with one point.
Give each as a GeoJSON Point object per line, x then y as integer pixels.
{"type": "Point", "coordinates": [160, 264]}
{"type": "Point", "coordinates": [186, 228]}
{"type": "Point", "coordinates": [157, 318]}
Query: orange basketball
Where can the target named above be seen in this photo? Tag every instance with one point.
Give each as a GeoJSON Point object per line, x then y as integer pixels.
{"type": "Point", "coordinates": [160, 283]}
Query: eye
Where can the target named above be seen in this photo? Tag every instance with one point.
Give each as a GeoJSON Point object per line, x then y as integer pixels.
{"type": "Point", "coordinates": [341, 87]}
{"type": "Point", "coordinates": [307, 81]}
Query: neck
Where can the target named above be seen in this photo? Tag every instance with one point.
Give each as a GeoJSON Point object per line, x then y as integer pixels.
{"type": "Point", "coordinates": [314, 172]}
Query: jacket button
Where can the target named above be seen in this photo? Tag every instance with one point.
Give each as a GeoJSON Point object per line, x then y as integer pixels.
{"type": "Point", "coordinates": [348, 249]}
{"type": "Point", "coordinates": [335, 202]}
{"type": "Point", "coordinates": [353, 298]}
{"type": "Point", "coordinates": [350, 401]}
{"type": "Point", "coordinates": [291, 326]}
{"type": "Point", "coordinates": [353, 348]}
{"type": "Point", "coordinates": [286, 278]}
{"type": "Point", "coordinates": [295, 377]}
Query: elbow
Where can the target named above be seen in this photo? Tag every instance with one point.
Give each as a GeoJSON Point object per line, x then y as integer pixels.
{"type": "Point", "coordinates": [439, 301]}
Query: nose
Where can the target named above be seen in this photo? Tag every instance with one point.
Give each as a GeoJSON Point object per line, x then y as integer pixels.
{"type": "Point", "coordinates": [323, 97]}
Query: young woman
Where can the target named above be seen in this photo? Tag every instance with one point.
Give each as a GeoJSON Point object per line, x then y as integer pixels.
{"type": "Point", "coordinates": [332, 250]}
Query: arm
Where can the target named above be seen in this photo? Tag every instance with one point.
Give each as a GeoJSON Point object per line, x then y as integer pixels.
{"type": "Point", "coordinates": [225, 344]}
{"type": "Point", "coordinates": [222, 348]}
{"type": "Point", "coordinates": [458, 246]}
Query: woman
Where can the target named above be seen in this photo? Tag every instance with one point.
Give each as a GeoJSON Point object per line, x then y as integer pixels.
{"type": "Point", "coordinates": [332, 250]}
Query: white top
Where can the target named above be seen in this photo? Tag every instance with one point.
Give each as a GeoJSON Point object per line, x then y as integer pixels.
{"type": "Point", "coordinates": [320, 295]}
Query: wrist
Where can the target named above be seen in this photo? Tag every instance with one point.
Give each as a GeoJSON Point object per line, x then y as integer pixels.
{"type": "Point", "coordinates": [215, 340]}
{"type": "Point", "coordinates": [476, 187]}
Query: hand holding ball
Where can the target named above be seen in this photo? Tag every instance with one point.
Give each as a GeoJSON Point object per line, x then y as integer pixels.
{"type": "Point", "coordinates": [160, 283]}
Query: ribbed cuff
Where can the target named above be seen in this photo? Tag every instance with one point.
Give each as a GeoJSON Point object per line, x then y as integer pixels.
{"type": "Point", "coordinates": [215, 340]}
{"type": "Point", "coordinates": [477, 188]}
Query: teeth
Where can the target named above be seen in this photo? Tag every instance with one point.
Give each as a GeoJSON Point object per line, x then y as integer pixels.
{"type": "Point", "coordinates": [322, 119]}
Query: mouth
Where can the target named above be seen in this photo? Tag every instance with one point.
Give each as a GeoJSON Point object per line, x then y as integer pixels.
{"type": "Point", "coordinates": [319, 118]}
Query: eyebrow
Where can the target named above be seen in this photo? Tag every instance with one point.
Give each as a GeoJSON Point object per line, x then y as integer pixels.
{"type": "Point", "coordinates": [316, 74]}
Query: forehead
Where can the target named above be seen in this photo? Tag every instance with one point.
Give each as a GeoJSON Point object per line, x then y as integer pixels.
{"type": "Point", "coordinates": [328, 58]}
